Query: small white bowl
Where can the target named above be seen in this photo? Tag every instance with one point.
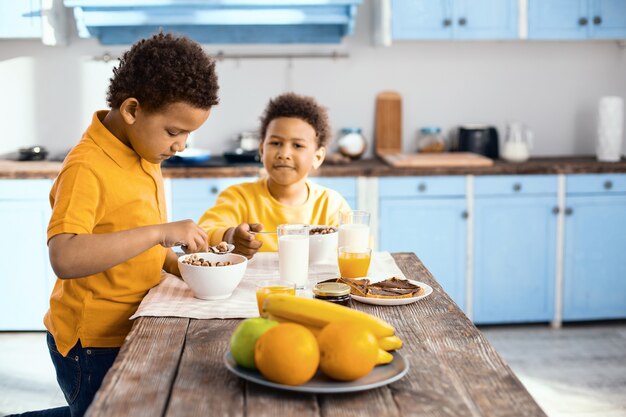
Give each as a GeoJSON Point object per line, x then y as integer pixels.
{"type": "Point", "coordinates": [323, 248]}
{"type": "Point", "coordinates": [213, 282]}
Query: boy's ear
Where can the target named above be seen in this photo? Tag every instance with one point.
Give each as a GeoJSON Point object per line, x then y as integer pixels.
{"type": "Point", "coordinates": [261, 142]}
{"type": "Point", "coordinates": [128, 110]}
{"type": "Point", "coordinates": [320, 154]}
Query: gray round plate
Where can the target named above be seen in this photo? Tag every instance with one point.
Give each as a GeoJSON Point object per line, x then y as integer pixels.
{"type": "Point", "coordinates": [320, 384]}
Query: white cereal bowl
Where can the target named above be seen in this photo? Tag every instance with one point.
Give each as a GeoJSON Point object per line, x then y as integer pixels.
{"type": "Point", "coordinates": [323, 248]}
{"type": "Point", "coordinates": [213, 282]}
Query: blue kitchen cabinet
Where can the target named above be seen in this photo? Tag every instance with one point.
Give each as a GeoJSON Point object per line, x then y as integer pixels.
{"type": "Point", "coordinates": [608, 19]}
{"type": "Point", "coordinates": [576, 19]}
{"type": "Point", "coordinates": [191, 197]}
{"type": "Point", "coordinates": [454, 19]}
{"type": "Point", "coordinates": [594, 276]}
{"type": "Point", "coordinates": [514, 249]}
{"type": "Point", "coordinates": [20, 19]}
{"type": "Point", "coordinates": [427, 215]}
{"type": "Point", "coordinates": [26, 276]}
{"type": "Point", "coordinates": [346, 186]}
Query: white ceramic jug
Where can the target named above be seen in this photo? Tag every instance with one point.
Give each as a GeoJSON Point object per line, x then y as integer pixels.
{"type": "Point", "coordinates": [518, 142]}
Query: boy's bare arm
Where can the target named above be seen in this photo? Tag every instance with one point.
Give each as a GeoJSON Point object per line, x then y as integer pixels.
{"type": "Point", "coordinates": [171, 263]}
{"type": "Point", "coordinates": [75, 256]}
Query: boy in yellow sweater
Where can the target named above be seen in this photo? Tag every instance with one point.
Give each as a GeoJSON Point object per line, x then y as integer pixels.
{"type": "Point", "coordinates": [294, 135]}
{"type": "Point", "coordinates": [108, 236]}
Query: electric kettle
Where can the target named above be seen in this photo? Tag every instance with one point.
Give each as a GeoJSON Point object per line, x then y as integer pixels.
{"type": "Point", "coordinates": [518, 141]}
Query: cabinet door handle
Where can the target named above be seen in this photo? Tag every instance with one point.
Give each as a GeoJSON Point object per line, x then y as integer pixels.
{"type": "Point", "coordinates": [421, 187]}
{"type": "Point", "coordinates": [597, 20]}
{"type": "Point", "coordinates": [517, 187]}
{"type": "Point", "coordinates": [214, 190]}
{"type": "Point", "coordinates": [464, 214]}
{"type": "Point", "coordinates": [462, 21]}
{"type": "Point", "coordinates": [556, 210]}
{"type": "Point", "coordinates": [583, 21]}
{"type": "Point", "coordinates": [569, 211]}
{"type": "Point", "coordinates": [608, 185]}
{"type": "Point", "coordinates": [447, 22]}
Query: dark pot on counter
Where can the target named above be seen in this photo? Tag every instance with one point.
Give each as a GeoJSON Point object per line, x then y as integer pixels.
{"type": "Point", "coordinates": [32, 153]}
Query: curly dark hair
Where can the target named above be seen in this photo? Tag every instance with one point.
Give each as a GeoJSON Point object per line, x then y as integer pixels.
{"type": "Point", "coordinates": [301, 107]}
{"type": "Point", "coordinates": [162, 70]}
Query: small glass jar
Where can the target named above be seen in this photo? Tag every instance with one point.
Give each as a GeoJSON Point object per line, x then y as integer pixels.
{"type": "Point", "coordinates": [351, 142]}
{"type": "Point", "coordinates": [334, 292]}
{"type": "Point", "coordinates": [430, 140]}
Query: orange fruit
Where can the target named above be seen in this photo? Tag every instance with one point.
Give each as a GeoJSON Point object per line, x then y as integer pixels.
{"type": "Point", "coordinates": [348, 350]}
{"type": "Point", "coordinates": [287, 354]}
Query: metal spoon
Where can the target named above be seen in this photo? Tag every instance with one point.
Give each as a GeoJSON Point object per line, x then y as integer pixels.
{"type": "Point", "coordinates": [211, 249]}
{"type": "Point", "coordinates": [216, 251]}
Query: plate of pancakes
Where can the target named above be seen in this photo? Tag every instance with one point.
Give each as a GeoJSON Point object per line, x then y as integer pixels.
{"type": "Point", "coordinates": [392, 291]}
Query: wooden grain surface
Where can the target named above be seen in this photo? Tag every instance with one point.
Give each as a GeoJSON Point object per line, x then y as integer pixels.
{"type": "Point", "coordinates": [360, 168]}
{"type": "Point", "coordinates": [444, 159]}
{"type": "Point", "coordinates": [388, 125]}
{"type": "Point", "coordinates": [173, 367]}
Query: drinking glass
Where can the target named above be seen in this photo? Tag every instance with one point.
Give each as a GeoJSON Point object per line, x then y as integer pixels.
{"type": "Point", "coordinates": [272, 286]}
{"type": "Point", "coordinates": [354, 228]}
{"type": "Point", "coordinates": [354, 262]}
{"type": "Point", "coordinates": [293, 253]}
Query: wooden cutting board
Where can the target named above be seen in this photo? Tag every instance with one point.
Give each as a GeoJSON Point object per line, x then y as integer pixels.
{"type": "Point", "coordinates": [452, 159]}
{"type": "Point", "coordinates": [388, 137]}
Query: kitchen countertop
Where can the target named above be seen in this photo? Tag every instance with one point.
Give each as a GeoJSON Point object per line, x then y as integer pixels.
{"type": "Point", "coordinates": [366, 168]}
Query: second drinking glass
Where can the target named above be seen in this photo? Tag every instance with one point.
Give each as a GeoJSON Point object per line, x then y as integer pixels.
{"type": "Point", "coordinates": [293, 253]}
{"type": "Point", "coordinates": [354, 228]}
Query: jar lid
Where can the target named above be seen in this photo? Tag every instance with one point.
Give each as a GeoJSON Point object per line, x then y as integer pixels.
{"type": "Point", "coordinates": [331, 289]}
{"type": "Point", "coordinates": [430, 129]}
{"type": "Point", "coordinates": [346, 130]}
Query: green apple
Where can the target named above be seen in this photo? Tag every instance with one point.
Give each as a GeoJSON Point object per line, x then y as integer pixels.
{"type": "Point", "coordinates": [244, 338]}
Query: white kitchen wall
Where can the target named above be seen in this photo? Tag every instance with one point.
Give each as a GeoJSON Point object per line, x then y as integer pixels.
{"type": "Point", "coordinates": [48, 94]}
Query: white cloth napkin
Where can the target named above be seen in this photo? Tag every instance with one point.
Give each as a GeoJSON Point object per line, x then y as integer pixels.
{"type": "Point", "coordinates": [173, 298]}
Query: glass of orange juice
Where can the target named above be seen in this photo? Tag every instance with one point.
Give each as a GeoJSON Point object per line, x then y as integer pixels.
{"type": "Point", "coordinates": [354, 262]}
{"type": "Point", "coordinates": [272, 286]}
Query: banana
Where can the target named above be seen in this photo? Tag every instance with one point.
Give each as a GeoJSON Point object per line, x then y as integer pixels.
{"type": "Point", "coordinates": [384, 357]}
{"type": "Point", "coordinates": [390, 343]}
{"type": "Point", "coordinates": [318, 313]}
{"type": "Point", "coordinates": [314, 329]}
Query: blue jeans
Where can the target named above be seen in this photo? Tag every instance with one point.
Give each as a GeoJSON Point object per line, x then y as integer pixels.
{"type": "Point", "coordinates": [79, 375]}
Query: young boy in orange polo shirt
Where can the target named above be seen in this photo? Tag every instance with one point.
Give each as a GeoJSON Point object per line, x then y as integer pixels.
{"type": "Point", "coordinates": [294, 135]}
{"type": "Point", "coordinates": [108, 236]}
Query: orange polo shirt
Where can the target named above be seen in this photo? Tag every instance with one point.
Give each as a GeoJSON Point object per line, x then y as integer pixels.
{"type": "Point", "coordinates": [104, 187]}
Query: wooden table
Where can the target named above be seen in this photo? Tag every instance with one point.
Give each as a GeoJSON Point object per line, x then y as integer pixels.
{"type": "Point", "coordinates": [173, 367]}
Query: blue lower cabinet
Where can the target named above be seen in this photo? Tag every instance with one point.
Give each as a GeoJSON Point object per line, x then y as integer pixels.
{"type": "Point", "coordinates": [191, 197]}
{"type": "Point", "coordinates": [26, 277]}
{"type": "Point", "coordinates": [435, 229]}
{"type": "Point", "coordinates": [346, 186]}
{"type": "Point", "coordinates": [594, 279]}
{"type": "Point", "coordinates": [514, 256]}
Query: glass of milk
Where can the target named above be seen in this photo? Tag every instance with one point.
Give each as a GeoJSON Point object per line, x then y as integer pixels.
{"type": "Point", "coordinates": [354, 229]}
{"type": "Point", "coordinates": [293, 253]}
